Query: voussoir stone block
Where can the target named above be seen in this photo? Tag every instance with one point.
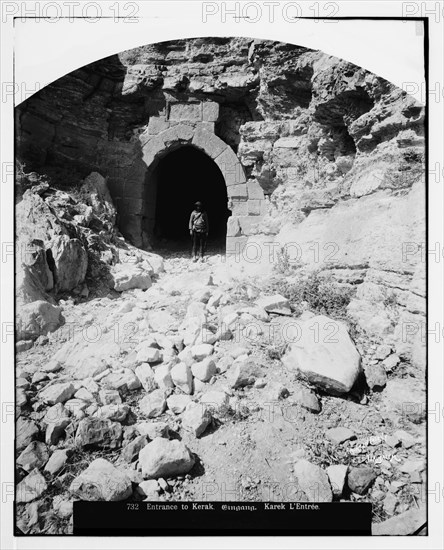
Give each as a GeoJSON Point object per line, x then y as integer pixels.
{"type": "Point", "coordinates": [232, 169]}
{"type": "Point", "coordinates": [181, 132]}
{"type": "Point", "coordinates": [211, 144]}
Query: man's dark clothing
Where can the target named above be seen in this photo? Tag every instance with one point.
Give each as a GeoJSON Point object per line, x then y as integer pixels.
{"type": "Point", "coordinates": [199, 230]}
{"type": "Point", "coordinates": [199, 243]}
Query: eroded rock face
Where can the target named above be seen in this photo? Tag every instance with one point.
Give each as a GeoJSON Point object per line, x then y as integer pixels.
{"type": "Point", "coordinates": [313, 149]}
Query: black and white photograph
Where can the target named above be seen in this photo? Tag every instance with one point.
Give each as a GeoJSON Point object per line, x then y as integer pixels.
{"type": "Point", "coordinates": [220, 280]}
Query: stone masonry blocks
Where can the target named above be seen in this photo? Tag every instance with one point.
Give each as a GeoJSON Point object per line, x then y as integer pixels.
{"type": "Point", "coordinates": [237, 191]}
{"type": "Point", "coordinates": [210, 111]}
{"type": "Point", "coordinates": [231, 168]}
{"type": "Point", "coordinates": [209, 143]}
{"type": "Point", "coordinates": [255, 191]}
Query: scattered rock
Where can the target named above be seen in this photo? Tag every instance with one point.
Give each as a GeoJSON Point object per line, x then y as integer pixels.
{"type": "Point", "coordinates": [153, 404]}
{"type": "Point", "coordinates": [389, 504]}
{"type": "Point", "coordinates": [243, 374]}
{"type": "Point", "coordinates": [313, 481]}
{"type": "Point", "coordinates": [64, 508]}
{"type": "Point", "coordinates": [121, 381]}
{"type": "Point", "coordinates": [131, 451]}
{"type": "Point", "coordinates": [337, 474]}
{"type": "Point", "coordinates": [224, 364]}
{"type": "Point", "coordinates": [407, 439]}
{"type": "Point", "coordinates": [182, 377]}
{"type": "Point", "coordinates": [153, 429]}
{"type": "Point", "coordinates": [147, 354]}
{"type": "Point", "coordinates": [26, 431]}
{"type": "Point", "coordinates": [410, 466]}
{"type": "Point", "coordinates": [391, 362]}
{"type": "Point", "coordinates": [277, 392]}
{"type": "Point", "coordinates": [101, 481]}
{"type": "Point", "coordinates": [214, 400]}
{"type": "Point", "coordinates": [110, 397]}
{"type": "Point", "coordinates": [275, 304]}
{"type": "Point", "coordinates": [146, 376]}
{"type": "Point", "coordinates": [118, 412]}
{"type": "Point", "coordinates": [359, 479]}
{"type": "Point", "coordinates": [100, 433]}
{"type": "Point", "coordinates": [178, 402]}
{"type": "Point", "coordinates": [37, 318]}
{"type": "Point", "coordinates": [34, 456]}
{"type": "Point", "coordinates": [200, 351]}
{"type": "Point", "coordinates": [162, 376]}
{"type": "Point", "coordinates": [164, 458]}
{"type": "Point", "coordinates": [196, 418]}
{"type": "Point", "coordinates": [376, 377]}
{"type": "Point", "coordinates": [340, 434]}
{"type": "Point", "coordinates": [127, 276]}
{"type": "Point", "coordinates": [57, 461]}
{"type": "Point", "coordinates": [382, 352]}
{"type": "Point", "coordinates": [236, 351]}
{"type": "Point", "coordinates": [407, 523]}
{"type": "Point", "coordinates": [31, 487]}
{"type": "Point", "coordinates": [308, 400]}
{"type": "Point", "coordinates": [204, 370]}
{"type": "Point", "coordinates": [148, 488]}
{"type": "Point", "coordinates": [57, 393]}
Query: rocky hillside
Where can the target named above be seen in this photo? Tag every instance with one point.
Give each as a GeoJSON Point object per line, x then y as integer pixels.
{"type": "Point", "coordinates": [142, 377]}
{"type": "Point", "coordinates": [333, 159]}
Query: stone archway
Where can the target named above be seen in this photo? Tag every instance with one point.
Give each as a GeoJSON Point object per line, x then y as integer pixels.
{"type": "Point", "coordinates": [155, 147]}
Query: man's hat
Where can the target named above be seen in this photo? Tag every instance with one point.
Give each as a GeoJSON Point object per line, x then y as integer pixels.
{"type": "Point", "coordinates": [198, 203]}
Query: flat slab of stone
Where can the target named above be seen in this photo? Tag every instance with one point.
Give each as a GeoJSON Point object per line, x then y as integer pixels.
{"type": "Point", "coordinates": [275, 304]}
{"type": "Point", "coordinates": [323, 351]}
{"type": "Point", "coordinates": [340, 434]}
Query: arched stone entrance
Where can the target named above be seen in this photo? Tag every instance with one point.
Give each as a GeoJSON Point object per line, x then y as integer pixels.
{"type": "Point", "coordinates": [178, 179]}
{"type": "Point", "coordinates": [157, 146]}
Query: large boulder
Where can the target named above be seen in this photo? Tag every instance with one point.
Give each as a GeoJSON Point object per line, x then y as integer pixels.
{"type": "Point", "coordinates": [36, 319]}
{"type": "Point", "coordinates": [69, 262]}
{"type": "Point", "coordinates": [128, 276]}
{"type": "Point", "coordinates": [101, 481]}
{"type": "Point", "coordinates": [164, 458]}
{"type": "Point", "coordinates": [324, 353]}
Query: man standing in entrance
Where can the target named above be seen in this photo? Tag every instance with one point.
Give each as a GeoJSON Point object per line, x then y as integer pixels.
{"type": "Point", "coordinates": [198, 227]}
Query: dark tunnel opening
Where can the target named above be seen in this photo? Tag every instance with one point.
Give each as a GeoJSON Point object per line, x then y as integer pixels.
{"type": "Point", "coordinates": [182, 177]}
